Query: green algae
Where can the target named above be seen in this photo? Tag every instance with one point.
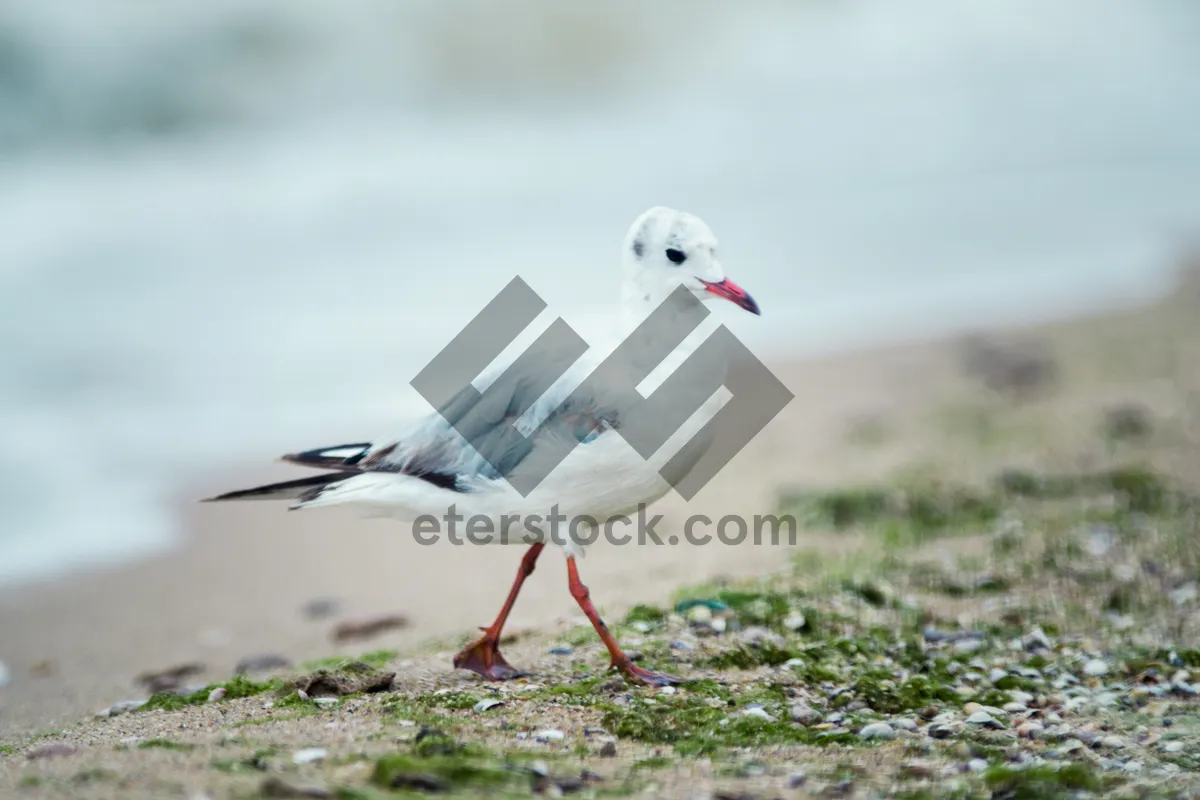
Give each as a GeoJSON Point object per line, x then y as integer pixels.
{"type": "Point", "coordinates": [164, 744]}
{"type": "Point", "coordinates": [697, 726]}
{"type": "Point", "coordinates": [235, 688]}
{"type": "Point", "coordinates": [1041, 782]}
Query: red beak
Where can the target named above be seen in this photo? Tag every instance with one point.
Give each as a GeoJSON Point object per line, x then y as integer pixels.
{"type": "Point", "coordinates": [733, 293]}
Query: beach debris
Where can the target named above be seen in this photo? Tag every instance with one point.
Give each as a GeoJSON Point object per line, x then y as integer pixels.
{"type": "Point", "coordinates": [303, 695]}
{"type": "Point", "coordinates": [550, 735]}
{"type": "Point", "coordinates": [349, 678]}
{"type": "Point", "coordinates": [321, 607]}
{"type": "Point", "coordinates": [1018, 371]}
{"type": "Point", "coordinates": [683, 607]}
{"type": "Point", "coordinates": [169, 679]}
{"type": "Point", "coordinates": [562, 650]}
{"type": "Point", "coordinates": [309, 754]}
{"type": "Point", "coordinates": [277, 787]}
{"type": "Point", "coordinates": [1095, 668]}
{"type": "Point", "coordinates": [5, 675]}
{"type": "Point", "coordinates": [370, 627]}
{"type": "Point", "coordinates": [1127, 422]}
{"type": "Point", "coordinates": [123, 707]}
{"type": "Point", "coordinates": [55, 750]}
{"type": "Point", "coordinates": [487, 703]}
{"type": "Point", "coordinates": [42, 669]}
{"type": "Point", "coordinates": [216, 694]}
{"type": "Point", "coordinates": [608, 750]}
{"type": "Point", "coordinates": [267, 662]}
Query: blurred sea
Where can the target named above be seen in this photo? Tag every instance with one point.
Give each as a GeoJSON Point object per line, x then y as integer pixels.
{"type": "Point", "coordinates": [236, 228]}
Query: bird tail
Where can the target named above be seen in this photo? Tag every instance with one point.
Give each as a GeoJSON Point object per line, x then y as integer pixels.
{"type": "Point", "coordinates": [301, 488]}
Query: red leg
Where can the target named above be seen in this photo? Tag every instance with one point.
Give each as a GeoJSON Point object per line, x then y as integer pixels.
{"type": "Point", "coordinates": [620, 661]}
{"type": "Point", "coordinates": [484, 655]}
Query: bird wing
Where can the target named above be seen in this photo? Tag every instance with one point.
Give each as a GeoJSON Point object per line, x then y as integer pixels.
{"type": "Point", "coordinates": [483, 435]}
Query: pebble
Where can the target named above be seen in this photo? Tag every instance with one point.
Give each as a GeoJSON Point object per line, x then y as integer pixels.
{"type": "Point", "coordinates": [718, 625]}
{"type": "Point", "coordinates": [878, 730]}
{"type": "Point", "coordinates": [608, 750]}
{"type": "Point", "coordinates": [805, 715]}
{"type": "Point", "coordinates": [325, 701]}
{"type": "Point", "coordinates": [755, 635]}
{"type": "Point", "coordinates": [758, 713]}
{"type": "Point", "coordinates": [977, 765]}
{"type": "Point", "coordinates": [641, 626]}
{"type": "Point", "coordinates": [1133, 766]}
{"type": "Point", "coordinates": [1015, 708]}
{"type": "Point", "coordinates": [667, 690]}
{"type": "Point", "coordinates": [1031, 730]}
{"type": "Point", "coordinates": [1172, 747]}
{"type": "Point", "coordinates": [1025, 698]}
{"type": "Point", "coordinates": [794, 621]}
{"type": "Point", "coordinates": [491, 702]}
{"type": "Point", "coordinates": [1185, 594]}
{"type": "Point", "coordinates": [216, 694]}
{"type": "Point", "coordinates": [997, 675]}
{"type": "Point", "coordinates": [1036, 639]}
{"type": "Point", "coordinates": [968, 645]}
{"type": "Point", "coordinates": [972, 708]}
{"type": "Point", "coordinates": [796, 780]}
{"type": "Point", "coordinates": [1095, 668]}
{"type": "Point", "coordinates": [699, 615]}
{"type": "Point", "coordinates": [941, 731]}
{"type": "Point", "coordinates": [550, 735]}
{"type": "Point", "coordinates": [681, 645]}
{"type": "Point", "coordinates": [123, 707]}
{"type": "Point", "coordinates": [904, 724]}
{"type": "Point", "coordinates": [1114, 742]}
{"type": "Point", "coordinates": [985, 719]}
{"type": "Point", "coordinates": [309, 755]}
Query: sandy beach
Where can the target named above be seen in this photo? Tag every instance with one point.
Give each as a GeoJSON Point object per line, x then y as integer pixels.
{"type": "Point", "coordinates": [239, 584]}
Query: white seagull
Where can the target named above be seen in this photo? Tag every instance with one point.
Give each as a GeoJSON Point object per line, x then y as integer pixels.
{"type": "Point", "coordinates": [431, 469]}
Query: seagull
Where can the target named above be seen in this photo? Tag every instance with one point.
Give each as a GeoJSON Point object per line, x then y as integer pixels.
{"type": "Point", "coordinates": [526, 416]}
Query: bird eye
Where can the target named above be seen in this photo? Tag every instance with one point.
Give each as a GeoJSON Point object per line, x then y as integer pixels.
{"type": "Point", "coordinates": [676, 256]}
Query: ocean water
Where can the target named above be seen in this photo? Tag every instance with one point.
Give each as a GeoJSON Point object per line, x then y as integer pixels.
{"type": "Point", "coordinates": [241, 230]}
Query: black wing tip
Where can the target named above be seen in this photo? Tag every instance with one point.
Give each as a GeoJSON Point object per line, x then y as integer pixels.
{"type": "Point", "coordinates": [285, 489]}
{"type": "Point", "coordinates": [348, 455]}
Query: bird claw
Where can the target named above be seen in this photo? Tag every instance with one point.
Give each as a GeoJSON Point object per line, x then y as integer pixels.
{"type": "Point", "coordinates": [645, 677]}
{"type": "Point", "coordinates": [483, 657]}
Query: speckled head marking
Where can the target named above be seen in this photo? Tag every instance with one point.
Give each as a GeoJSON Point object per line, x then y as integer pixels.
{"type": "Point", "coordinates": [666, 248]}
